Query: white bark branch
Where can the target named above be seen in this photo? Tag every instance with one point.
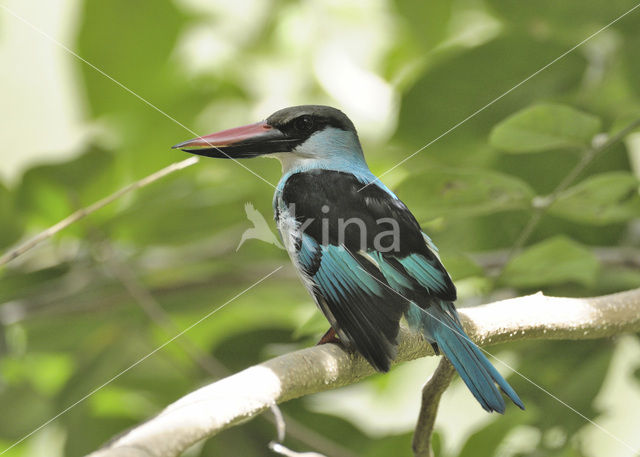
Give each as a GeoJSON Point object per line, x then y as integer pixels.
{"type": "Point", "coordinates": [237, 398]}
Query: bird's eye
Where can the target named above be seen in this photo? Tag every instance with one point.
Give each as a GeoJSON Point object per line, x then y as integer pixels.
{"type": "Point", "coordinates": [303, 123]}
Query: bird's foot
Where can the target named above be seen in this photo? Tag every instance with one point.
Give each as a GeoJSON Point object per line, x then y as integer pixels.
{"type": "Point", "coordinates": [329, 337]}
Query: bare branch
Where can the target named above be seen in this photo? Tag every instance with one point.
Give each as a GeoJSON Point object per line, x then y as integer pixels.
{"type": "Point", "coordinates": [237, 398]}
{"type": "Point", "coordinates": [431, 393]}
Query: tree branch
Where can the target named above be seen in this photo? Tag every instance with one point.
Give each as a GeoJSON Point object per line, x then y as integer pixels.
{"type": "Point", "coordinates": [431, 393]}
{"type": "Point", "coordinates": [207, 362]}
{"type": "Point", "coordinates": [541, 204]}
{"type": "Point", "coordinates": [237, 398]}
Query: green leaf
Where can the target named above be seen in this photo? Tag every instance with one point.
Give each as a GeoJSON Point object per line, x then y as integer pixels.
{"type": "Point", "coordinates": [443, 94]}
{"type": "Point", "coordinates": [544, 127]}
{"type": "Point", "coordinates": [465, 192]}
{"type": "Point", "coordinates": [554, 261]}
{"type": "Point", "coordinates": [603, 199]}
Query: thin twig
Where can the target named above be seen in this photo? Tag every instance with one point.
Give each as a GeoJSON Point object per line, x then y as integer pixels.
{"type": "Point", "coordinates": [587, 157]}
{"type": "Point", "coordinates": [286, 452]}
{"type": "Point", "coordinates": [431, 393]}
{"type": "Point", "coordinates": [277, 446]}
{"type": "Point", "coordinates": [84, 212]}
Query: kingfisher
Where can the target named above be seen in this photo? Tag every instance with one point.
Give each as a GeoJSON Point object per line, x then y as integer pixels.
{"type": "Point", "coordinates": [357, 248]}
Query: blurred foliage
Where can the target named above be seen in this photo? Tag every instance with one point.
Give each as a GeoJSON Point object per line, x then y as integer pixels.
{"type": "Point", "coordinates": [68, 323]}
{"type": "Point", "coordinates": [538, 265]}
{"type": "Point", "coordinates": [544, 127]}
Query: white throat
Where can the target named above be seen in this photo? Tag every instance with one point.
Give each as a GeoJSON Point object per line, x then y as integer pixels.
{"type": "Point", "coordinates": [330, 149]}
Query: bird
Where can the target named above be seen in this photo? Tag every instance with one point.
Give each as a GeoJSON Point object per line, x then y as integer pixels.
{"type": "Point", "coordinates": [356, 246]}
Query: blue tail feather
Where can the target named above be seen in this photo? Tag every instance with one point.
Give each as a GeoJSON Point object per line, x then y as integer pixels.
{"type": "Point", "coordinates": [440, 324]}
{"type": "Point", "coordinates": [502, 383]}
{"type": "Point", "coordinates": [470, 368]}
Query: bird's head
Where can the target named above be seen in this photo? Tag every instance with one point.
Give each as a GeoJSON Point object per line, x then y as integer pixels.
{"type": "Point", "coordinates": [307, 132]}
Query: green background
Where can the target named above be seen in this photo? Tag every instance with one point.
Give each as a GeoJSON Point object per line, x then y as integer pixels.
{"type": "Point", "coordinates": [103, 293]}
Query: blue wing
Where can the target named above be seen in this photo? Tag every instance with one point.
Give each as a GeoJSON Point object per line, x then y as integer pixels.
{"type": "Point", "coordinates": [354, 297]}
{"type": "Point", "coordinates": [361, 288]}
{"type": "Point", "coordinates": [364, 288]}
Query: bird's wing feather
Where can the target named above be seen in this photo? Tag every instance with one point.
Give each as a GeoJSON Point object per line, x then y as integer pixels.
{"type": "Point", "coordinates": [339, 210]}
{"type": "Point", "coordinates": [351, 292]}
{"type": "Point", "coordinates": [363, 252]}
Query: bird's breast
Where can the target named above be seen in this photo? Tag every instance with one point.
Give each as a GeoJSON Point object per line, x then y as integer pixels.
{"type": "Point", "coordinates": [288, 227]}
{"type": "Point", "coordinates": [291, 235]}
